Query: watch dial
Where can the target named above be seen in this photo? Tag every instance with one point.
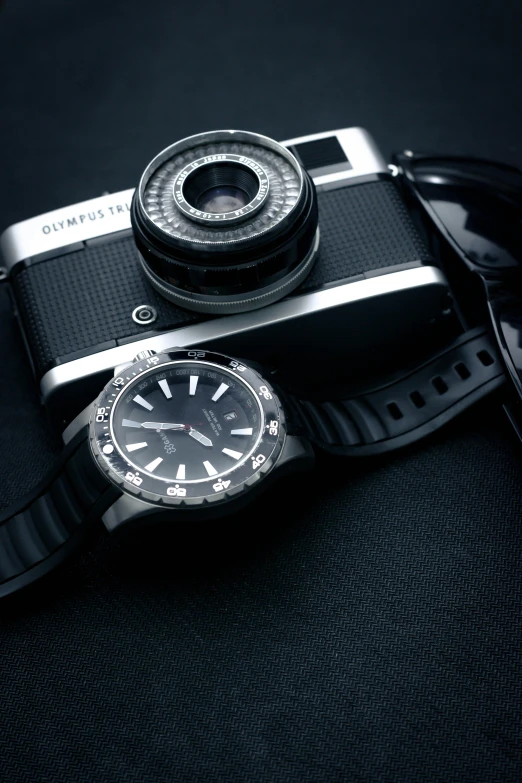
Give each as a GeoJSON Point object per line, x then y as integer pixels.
{"type": "Point", "coordinates": [187, 422]}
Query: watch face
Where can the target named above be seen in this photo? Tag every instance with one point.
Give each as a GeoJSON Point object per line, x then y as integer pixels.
{"type": "Point", "coordinates": [187, 426]}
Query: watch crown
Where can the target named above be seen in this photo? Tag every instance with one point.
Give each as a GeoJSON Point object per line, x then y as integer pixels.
{"type": "Point", "coordinates": [144, 355]}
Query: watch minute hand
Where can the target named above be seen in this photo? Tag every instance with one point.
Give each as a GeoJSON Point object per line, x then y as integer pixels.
{"type": "Point", "coordinates": [158, 425]}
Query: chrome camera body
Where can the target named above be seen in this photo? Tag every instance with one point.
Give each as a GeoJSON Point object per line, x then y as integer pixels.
{"type": "Point", "coordinates": [371, 297]}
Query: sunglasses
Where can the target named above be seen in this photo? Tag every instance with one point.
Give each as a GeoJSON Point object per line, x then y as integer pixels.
{"type": "Point", "coordinates": [471, 209]}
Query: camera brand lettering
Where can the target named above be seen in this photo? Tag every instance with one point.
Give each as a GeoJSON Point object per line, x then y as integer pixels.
{"type": "Point", "coordinates": [85, 217]}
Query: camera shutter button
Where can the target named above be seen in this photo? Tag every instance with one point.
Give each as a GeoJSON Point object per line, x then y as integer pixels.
{"type": "Point", "coordinates": [144, 355]}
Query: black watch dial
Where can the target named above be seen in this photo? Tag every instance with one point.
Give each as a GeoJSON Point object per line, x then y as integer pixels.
{"type": "Point", "coordinates": [187, 422]}
{"type": "Point", "coordinates": [187, 426]}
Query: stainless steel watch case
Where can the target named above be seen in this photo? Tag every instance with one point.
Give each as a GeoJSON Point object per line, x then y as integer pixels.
{"type": "Point", "coordinates": [130, 511]}
{"type": "Point", "coordinates": [275, 453]}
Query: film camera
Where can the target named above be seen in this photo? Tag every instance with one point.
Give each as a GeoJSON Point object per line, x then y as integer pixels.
{"type": "Point", "coordinates": [298, 255]}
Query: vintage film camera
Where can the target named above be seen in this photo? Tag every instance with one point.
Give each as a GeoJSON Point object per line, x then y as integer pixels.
{"type": "Point", "coordinates": [297, 255]}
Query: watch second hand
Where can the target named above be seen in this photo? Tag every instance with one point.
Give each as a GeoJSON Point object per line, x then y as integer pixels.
{"type": "Point", "coordinates": [158, 425]}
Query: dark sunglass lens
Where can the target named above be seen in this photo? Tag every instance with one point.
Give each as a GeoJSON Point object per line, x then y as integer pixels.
{"type": "Point", "coordinates": [480, 205]}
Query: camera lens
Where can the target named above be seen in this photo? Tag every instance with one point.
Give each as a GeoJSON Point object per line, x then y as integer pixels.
{"type": "Point", "coordinates": [223, 198]}
{"type": "Point", "coordinates": [220, 187]}
{"type": "Point", "coordinates": [225, 222]}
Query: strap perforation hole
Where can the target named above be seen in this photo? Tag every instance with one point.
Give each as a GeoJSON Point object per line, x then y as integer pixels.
{"type": "Point", "coordinates": [417, 399]}
{"type": "Point", "coordinates": [440, 385]}
{"type": "Point", "coordinates": [394, 411]}
{"type": "Point", "coordinates": [462, 371]}
{"type": "Point", "coordinates": [485, 358]}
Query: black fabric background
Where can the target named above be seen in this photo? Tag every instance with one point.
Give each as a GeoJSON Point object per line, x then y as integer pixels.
{"type": "Point", "coordinates": [373, 633]}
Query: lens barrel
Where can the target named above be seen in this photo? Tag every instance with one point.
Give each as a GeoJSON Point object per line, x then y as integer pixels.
{"type": "Point", "coordinates": [225, 222]}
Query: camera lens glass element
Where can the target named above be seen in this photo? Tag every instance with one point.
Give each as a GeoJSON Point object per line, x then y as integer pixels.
{"type": "Point", "coordinates": [228, 189]}
{"type": "Point", "coordinates": [220, 187]}
{"type": "Point", "coordinates": [222, 198]}
{"type": "Point", "coordinates": [225, 222]}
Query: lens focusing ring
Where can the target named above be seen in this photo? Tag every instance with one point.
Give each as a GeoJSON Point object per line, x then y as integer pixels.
{"type": "Point", "coordinates": [210, 255]}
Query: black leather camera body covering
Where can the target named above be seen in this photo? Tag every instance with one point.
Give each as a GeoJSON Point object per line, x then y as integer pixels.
{"type": "Point", "coordinates": [373, 294]}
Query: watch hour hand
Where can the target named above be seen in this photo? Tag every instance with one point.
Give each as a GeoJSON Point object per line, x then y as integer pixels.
{"type": "Point", "coordinates": [201, 438]}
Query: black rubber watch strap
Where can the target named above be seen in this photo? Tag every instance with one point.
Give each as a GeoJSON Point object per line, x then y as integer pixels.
{"type": "Point", "coordinates": [408, 408]}
{"type": "Point", "coordinates": [36, 537]}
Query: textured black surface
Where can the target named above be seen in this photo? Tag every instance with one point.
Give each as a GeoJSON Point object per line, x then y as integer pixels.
{"type": "Point", "coordinates": [82, 299]}
{"type": "Point", "coordinates": [374, 632]}
{"type": "Point", "coordinates": [28, 446]}
{"type": "Point", "coordinates": [54, 519]}
{"type": "Point", "coordinates": [86, 298]}
{"type": "Point", "coordinates": [363, 228]}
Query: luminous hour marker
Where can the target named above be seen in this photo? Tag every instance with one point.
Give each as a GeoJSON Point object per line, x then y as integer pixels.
{"type": "Point", "coordinates": [164, 386]}
{"type": "Point", "coordinates": [245, 431]}
{"type": "Point", "coordinates": [180, 475]}
{"type": "Point", "coordinates": [210, 468]}
{"type": "Point", "coordinates": [220, 392]}
{"type": "Point", "coordinates": [136, 446]}
{"type": "Point", "coordinates": [233, 454]}
{"type": "Point", "coordinates": [129, 423]}
{"type": "Point", "coordinates": [139, 399]}
{"type": "Point", "coordinates": [193, 384]}
{"type": "Point", "coordinates": [154, 464]}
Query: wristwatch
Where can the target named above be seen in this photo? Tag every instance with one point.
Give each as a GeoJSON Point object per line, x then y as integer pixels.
{"type": "Point", "coordinates": [191, 434]}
